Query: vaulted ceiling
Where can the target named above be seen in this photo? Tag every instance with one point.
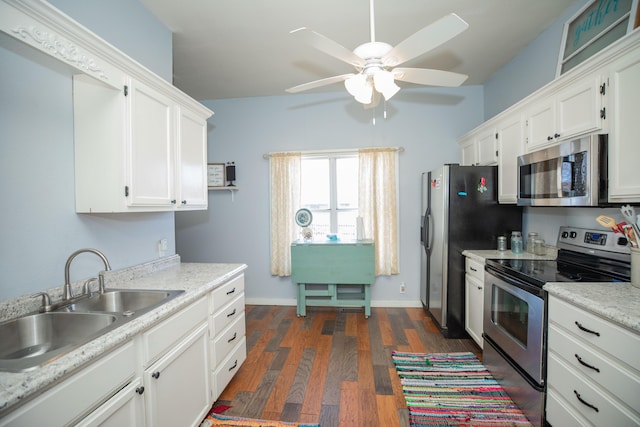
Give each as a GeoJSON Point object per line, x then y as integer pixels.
{"type": "Point", "coordinates": [242, 48]}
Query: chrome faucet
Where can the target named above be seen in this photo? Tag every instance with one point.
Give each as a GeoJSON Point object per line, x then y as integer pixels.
{"type": "Point", "coordinates": [67, 294]}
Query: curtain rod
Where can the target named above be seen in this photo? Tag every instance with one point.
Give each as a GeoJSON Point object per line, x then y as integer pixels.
{"type": "Point", "coordinates": [345, 150]}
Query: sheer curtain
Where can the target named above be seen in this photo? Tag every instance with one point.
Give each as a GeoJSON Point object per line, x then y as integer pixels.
{"type": "Point", "coordinates": [285, 199]}
{"type": "Point", "coordinates": [377, 205]}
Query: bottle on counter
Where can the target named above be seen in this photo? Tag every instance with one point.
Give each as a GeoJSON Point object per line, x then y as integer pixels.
{"type": "Point", "coordinates": [516, 242]}
{"type": "Point", "coordinates": [531, 238]}
{"type": "Point", "coordinates": [502, 243]}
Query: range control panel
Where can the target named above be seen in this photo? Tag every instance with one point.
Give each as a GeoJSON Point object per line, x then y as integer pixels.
{"type": "Point", "coordinates": [595, 242]}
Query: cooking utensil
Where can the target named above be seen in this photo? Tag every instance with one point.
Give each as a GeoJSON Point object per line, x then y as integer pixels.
{"type": "Point", "coordinates": [629, 213]}
{"type": "Point", "coordinates": [608, 222]}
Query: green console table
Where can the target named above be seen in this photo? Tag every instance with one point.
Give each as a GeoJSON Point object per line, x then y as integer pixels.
{"type": "Point", "coordinates": [327, 273]}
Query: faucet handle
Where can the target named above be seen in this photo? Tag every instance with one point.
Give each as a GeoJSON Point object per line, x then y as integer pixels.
{"type": "Point", "coordinates": [86, 287]}
{"type": "Point", "coordinates": [46, 301]}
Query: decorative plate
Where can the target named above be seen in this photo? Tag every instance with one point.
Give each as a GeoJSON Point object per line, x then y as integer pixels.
{"type": "Point", "coordinates": [304, 217]}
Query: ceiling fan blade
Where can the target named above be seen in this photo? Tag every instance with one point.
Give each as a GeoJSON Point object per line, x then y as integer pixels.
{"type": "Point", "coordinates": [318, 83]}
{"type": "Point", "coordinates": [328, 46]}
{"type": "Point", "coordinates": [424, 76]}
{"type": "Point", "coordinates": [426, 39]}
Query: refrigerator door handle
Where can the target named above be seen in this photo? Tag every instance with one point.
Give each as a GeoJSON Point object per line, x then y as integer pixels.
{"type": "Point", "coordinates": [430, 236]}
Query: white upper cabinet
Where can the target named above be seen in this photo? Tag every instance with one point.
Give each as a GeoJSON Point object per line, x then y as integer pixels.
{"type": "Point", "coordinates": [510, 134]}
{"type": "Point", "coordinates": [479, 148]}
{"type": "Point", "coordinates": [140, 143]}
{"type": "Point", "coordinates": [624, 132]}
{"type": "Point", "coordinates": [565, 113]}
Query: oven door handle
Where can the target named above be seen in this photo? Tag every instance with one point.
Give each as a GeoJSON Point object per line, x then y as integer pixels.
{"type": "Point", "coordinates": [532, 289]}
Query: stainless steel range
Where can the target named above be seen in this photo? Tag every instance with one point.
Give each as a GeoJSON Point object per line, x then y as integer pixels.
{"type": "Point", "coordinates": [515, 312]}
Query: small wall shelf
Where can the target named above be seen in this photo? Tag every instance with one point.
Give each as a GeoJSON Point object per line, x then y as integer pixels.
{"type": "Point", "coordinates": [234, 188]}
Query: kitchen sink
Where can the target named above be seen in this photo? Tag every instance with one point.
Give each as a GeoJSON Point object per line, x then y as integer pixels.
{"type": "Point", "coordinates": [126, 302]}
{"type": "Point", "coordinates": [32, 340]}
{"type": "Point", "coordinates": [35, 339]}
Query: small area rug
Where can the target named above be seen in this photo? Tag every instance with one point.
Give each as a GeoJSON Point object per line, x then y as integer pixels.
{"type": "Point", "coordinates": [453, 389]}
{"type": "Point", "coordinates": [219, 420]}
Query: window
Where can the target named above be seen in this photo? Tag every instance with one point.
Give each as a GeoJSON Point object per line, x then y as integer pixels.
{"type": "Point", "coordinates": [329, 188]}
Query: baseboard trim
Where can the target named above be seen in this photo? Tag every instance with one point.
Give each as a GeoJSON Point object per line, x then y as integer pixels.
{"type": "Point", "coordinates": [292, 302]}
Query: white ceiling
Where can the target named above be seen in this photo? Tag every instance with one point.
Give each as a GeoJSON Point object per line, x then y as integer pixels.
{"type": "Point", "coordinates": [242, 48]}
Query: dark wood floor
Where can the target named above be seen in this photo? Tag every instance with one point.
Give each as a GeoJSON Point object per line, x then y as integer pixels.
{"type": "Point", "coordinates": [331, 367]}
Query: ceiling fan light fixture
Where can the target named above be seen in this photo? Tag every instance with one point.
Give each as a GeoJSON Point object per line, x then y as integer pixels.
{"type": "Point", "coordinates": [360, 88]}
{"type": "Point", "coordinates": [385, 84]}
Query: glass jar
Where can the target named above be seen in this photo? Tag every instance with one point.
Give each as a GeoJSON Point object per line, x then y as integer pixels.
{"type": "Point", "coordinates": [516, 242]}
{"type": "Point", "coordinates": [539, 247]}
{"type": "Point", "coordinates": [531, 238]}
{"type": "Point", "coordinates": [502, 243]}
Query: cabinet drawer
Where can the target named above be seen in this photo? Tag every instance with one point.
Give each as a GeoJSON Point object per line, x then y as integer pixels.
{"type": "Point", "coordinates": [224, 342]}
{"type": "Point", "coordinates": [227, 315]}
{"type": "Point", "coordinates": [83, 392]}
{"type": "Point", "coordinates": [475, 269]}
{"type": "Point", "coordinates": [620, 382]}
{"type": "Point", "coordinates": [226, 293]}
{"type": "Point", "coordinates": [606, 336]}
{"type": "Point", "coordinates": [228, 368]}
{"type": "Point", "coordinates": [159, 338]}
{"type": "Point", "coordinates": [559, 414]}
{"type": "Point", "coordinates": [579, 393]}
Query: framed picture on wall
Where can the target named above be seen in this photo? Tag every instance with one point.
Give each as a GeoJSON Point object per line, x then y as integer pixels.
{"type": "Point", "coordinates": [216, 175]}
{"type": "Point", "coordinates": [594, 27]}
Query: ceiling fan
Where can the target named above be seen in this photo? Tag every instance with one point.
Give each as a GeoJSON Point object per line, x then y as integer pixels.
{"type": "Point", "coordinates": [374, 61]}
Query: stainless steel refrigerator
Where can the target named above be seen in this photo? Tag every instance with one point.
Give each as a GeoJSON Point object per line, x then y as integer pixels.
{"type": "Point", "coordinates": [460, 211]}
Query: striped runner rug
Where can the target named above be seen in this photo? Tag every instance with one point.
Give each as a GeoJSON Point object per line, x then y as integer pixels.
{"type": "Point", "coordinates": [453, 389]}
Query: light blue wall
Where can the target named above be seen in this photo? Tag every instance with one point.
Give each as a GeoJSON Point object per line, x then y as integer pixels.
{"type": "Point", "coordinates": [532, 68]}
{"type": "Point", "coordinates": [426, 122]}
{"type": "Point", "coordinates": [39, 225]}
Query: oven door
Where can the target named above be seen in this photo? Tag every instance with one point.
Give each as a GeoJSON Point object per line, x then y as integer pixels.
{"type": "Point", "coordinates": [514, 319]}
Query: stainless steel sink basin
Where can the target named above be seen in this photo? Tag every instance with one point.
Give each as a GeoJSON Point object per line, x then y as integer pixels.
{"type": "Point", "coordinates": [126, 302]}
{"type": "Point", "coordinates": [29, 341]}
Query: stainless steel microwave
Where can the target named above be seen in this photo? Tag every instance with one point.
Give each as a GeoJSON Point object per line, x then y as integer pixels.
{"type": "Point", "coordinates": [572, 173]}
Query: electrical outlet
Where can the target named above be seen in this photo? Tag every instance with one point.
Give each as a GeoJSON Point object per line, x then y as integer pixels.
{"type": "Point", "coordinates": [162, 247]}
{"type": "Point", "coordinates": [403, 288]}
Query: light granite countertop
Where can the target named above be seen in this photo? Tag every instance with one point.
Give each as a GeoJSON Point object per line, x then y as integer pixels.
{"type": "Point", "coordinates": [196, 279]}
{"type": "Point", "coordinates": [482, 255]}
{"type": "Point", "coordinates": [618, 302]}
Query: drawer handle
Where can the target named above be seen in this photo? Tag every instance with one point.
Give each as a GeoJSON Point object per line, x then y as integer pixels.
{"type": "Point", "coordinates": [583, 363]}
{"type": "Point", "coordinates": [585, 402]}
{"type": "Point", "coordinates": [582, 328]}
{"type": "Point", "coordinates": [156, 374]}
{"type": "Point", "coordinates": [472, 269]}
{"type": "Point", "coordinates": [235, 365]}
{"type": "Point", "coordinates": [235, 335]}
{"type": "Point", "coordinates": [140, 390]}
{"type": "Point", "coordinates": [231, 291]}
{"type": "Point", "coordinates": [232, 313]}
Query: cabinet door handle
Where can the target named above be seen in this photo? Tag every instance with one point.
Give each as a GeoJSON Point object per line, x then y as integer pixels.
{"type": "Point", "coordinates": [235, 365]}
{"type": "Point", "coordinates": [156, 374]}
{"type": "Point", "coordinates": [480, 287]}
{"type": "Point", "coordinates": [584, 402]}
{"type": "Point", "coordinates": [184, 202]}
{"type": "Point", "coordinates": [582, 328]}
{"type": "Point", "coordinates": [231, 291]}
{"type": "Point", "coordinates": [556, 135]}
{"type": "Point", "coordinates": [603, 113]}
{"type": "Point", "coordinates": [235, 335]}
{"type": "Point", "coordinates": [140, 390]}
{"type": "Point", "coordinates": [232, 313]}
{"type": "Point", "coordinates": [173, 202]}
{"type": "Point", "coordinates": [583, 363]}
{"type": "Point", "coordinates": [549, 138]}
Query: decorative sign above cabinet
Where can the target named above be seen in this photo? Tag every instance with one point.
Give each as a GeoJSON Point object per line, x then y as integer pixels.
{"type": "Point", "coordinates": [598, 24]}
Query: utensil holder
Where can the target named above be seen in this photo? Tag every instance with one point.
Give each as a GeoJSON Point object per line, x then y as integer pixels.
{"type": "Point", "coordinates": [635, 267]}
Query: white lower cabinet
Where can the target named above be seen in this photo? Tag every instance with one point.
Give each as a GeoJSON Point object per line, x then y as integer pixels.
{"type": "Point", "coordinates": [593, 372]}
{"type": "Point", "coordinates": [124, 409]}
{"type": "Point", "coordinates": [474, 299]}
{"type": "Point", "coordinates": [228, 348]}
{"type": "Point", "coordinates": [177, 391]}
